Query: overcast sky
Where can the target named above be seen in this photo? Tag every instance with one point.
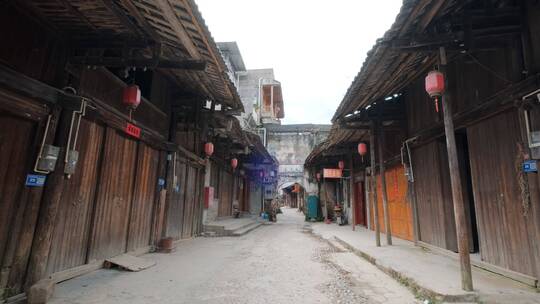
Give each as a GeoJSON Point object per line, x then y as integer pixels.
{"type": "Point", "coordinates": [316, 47]}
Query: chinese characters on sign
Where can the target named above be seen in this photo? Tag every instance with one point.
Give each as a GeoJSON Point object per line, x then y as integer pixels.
{"type": "Point", "coordinates": [332, 173]}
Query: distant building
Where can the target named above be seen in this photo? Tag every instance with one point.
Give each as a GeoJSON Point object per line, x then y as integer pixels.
{"type": "Point", "coordinates": [261, 93]}
{"type": "Point", "coordinates": [262, 97]}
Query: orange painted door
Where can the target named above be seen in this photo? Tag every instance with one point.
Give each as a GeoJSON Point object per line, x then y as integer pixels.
{"type": "Point", "coordinates": [398, 205]}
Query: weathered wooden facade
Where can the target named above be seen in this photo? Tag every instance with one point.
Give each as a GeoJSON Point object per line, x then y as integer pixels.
{"type": "Point", "coordinates": [83, 177]}
{"type": "Point", "coordinates": [492, 82]}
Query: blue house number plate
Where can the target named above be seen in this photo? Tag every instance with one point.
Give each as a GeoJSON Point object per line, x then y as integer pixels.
{"type": "Point", "coordinates": [530, 166]}
{"type": "Point", "coordinates": [33, 180]}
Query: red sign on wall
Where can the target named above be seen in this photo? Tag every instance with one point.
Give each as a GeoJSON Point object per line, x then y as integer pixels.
{"type": "Point", "coordinates": [332, 173]}
{"type": "Point", "coordinates": [133, 130]}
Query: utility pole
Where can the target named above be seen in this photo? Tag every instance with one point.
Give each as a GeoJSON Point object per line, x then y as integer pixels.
{"type": "Point", "coordinates": [374, 185]}
{"type": "Point", "coordinates": [455, 181]}
{"type": "Point", "coordinates": [382, 172]}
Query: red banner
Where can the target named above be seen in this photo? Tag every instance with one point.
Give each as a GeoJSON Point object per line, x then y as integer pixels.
{"type": "Point", "coordinates": [133, 130]}
{"type": "Point", "coordinates": [332, 173]}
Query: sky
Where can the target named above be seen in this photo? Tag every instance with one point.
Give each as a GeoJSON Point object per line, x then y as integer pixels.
{"type": "Point", "coordinates": [315, 47]}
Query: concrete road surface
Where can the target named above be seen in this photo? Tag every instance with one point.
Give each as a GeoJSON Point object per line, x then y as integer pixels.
{"type": "Point", "coordinates": [277, 263]}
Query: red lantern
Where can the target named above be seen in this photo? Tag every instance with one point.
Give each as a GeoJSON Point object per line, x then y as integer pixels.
{"type": "Point", "coordinates": [341, 164]}
{"type": "Point", "coordinates": [209, 149]}
{"type": "Point", "coordinates": [362, 149]}
{"type": "Point", "coordinates": [435, 86]}
{"type": "Point", "coordinates": [435, 83]}
{"type": "Point", "coordinates": [132, 96]}
{"type": "Point", "coordinates": [318, 176]}
{"type": "Point", "coordinates": [234, 163]}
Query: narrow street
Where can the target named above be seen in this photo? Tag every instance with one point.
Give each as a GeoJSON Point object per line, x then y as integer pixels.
{"type": "Point", "coordinates": [147, 146]}
{"type": "Point", "coordinates": [276, 263]}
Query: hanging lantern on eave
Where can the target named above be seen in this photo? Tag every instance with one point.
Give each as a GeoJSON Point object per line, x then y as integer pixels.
{"type": "Point", "coordinates": [234, 163]}
{"type": "Point", "coordinates": [341, 164]}
{"type": "Point", "coordinates": [362, 150]}
{"type": "Point", "coordinates": [132, 96]}
{"type": "Point", "coordinates": [435, 86]}
{"type": "Point", "coordinates": [209, 149]}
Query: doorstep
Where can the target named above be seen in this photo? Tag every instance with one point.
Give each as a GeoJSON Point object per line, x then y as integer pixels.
{"type": "Point", "coordinates": [231, 226]}
{"type": "Point", "coordinates": [428, 274]}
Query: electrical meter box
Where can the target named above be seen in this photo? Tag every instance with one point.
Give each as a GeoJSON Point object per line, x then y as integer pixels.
{"type": "Point", "coordinates": [49, 156]}
{"type": "Point", "coordinates": [72, 159]}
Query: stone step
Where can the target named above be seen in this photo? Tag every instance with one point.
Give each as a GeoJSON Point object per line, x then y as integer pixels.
{"type": "Point", "coordinates": [246, 229]}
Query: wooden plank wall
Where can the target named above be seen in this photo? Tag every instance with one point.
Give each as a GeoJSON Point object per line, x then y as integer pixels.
{"type": "Point", "coordinates": [16, 135]}
{"type": "Point", "coordinates": [175, 200]}
{"type": "Point", "coordinates": [506, 238]}
{"type": "Point", "coordinates": [19, 204]}
{"type": "Point", "coordinates": [71, 234]}
{"type": "Point", "coordinates": [184, 204]}
{"type": "Point", "coordinates": [398, 205]}
{"type": "Point", "coordinates": [145, 191]}
{"type": "Point", "coordinates": [115, 193]}
{"type": "Point", "coordinates": [508, 230]}
{"type": "Point", "coordinates": [107, 206]}
{"type": "Point", "coordinates": [189, 205]}
{"type": "Point", "coordinates": [433, 195]}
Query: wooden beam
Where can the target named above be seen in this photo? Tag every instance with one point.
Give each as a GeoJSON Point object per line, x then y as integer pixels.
{"type": "Point", "coordinates": [382, 172]}
{"type": "Point", "coordinates": [455, 181]}
{"type": "Point", "coordinates": [374, 186]}
{"type": "Point", "coordinates": [33, 88]}
{"type": "Point", "coordinates": [120, 62]}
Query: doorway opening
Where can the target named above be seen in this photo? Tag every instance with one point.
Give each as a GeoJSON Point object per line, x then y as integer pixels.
{"type": "Point", "coordinates": [466, 181]}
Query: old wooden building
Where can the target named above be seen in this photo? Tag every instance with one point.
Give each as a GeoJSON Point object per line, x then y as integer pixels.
{"type": "Point", "coordinates": [489, 55]}
{"type": "Point", "coordinates": [90, 170]}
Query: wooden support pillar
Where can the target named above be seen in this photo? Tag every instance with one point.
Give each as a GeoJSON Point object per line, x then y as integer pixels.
{"type": "Point", "coordinates": [411, 192]}
{"type": "Point", "coordinates": [382, 172]}
{"type": "Point", "coordinates": [52, 196]}
{"type": "Point", "coordinates": [351, 191]}
{"type": "Point", "coordinates": [414, 210]}
{"type": "Point", "coordinates": [374, 185]}
{"type": "Point", "coordinates": [455, 181]}
{"type": "Point", "coordinates": [325, 208]}
{"type": "Point", "coordinates": [367, 187]}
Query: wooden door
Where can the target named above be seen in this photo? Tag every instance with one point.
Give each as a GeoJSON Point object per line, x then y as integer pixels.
{"type": "Point", "coordinates": [176, 195]}
{"type": "Point", "coordinates": [142, 207]}
{"type": "Point", "coordinates": [189, 206]}
{"type": "Point", "coordinates": [225, 197]}
{"type": "Point", "coordinates": [115, 193]}
{"type": "Point", "coordinates": [359, 204]}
